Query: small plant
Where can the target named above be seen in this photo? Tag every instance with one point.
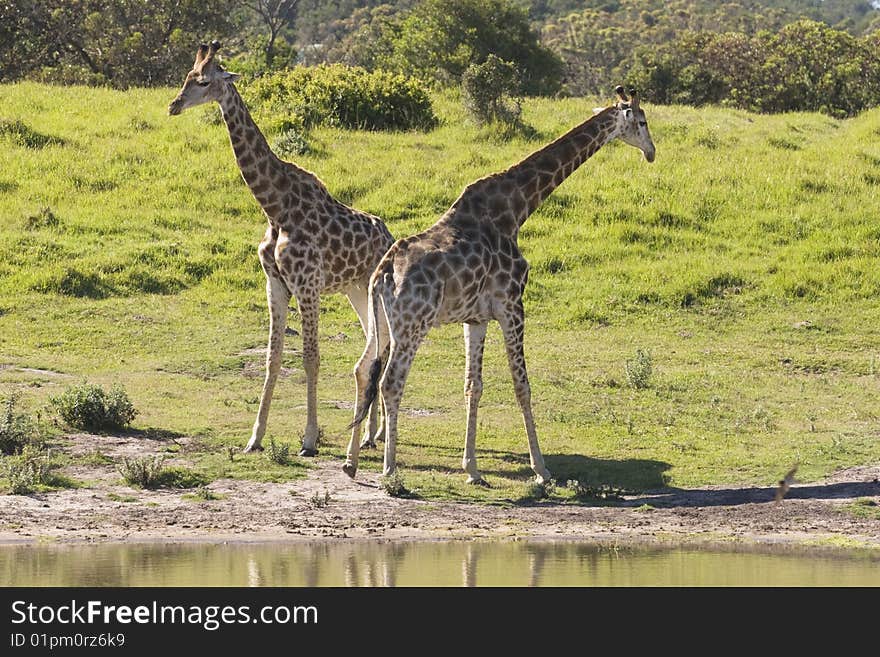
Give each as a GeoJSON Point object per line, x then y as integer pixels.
{"type": "Point", "coordinates": [88, 406]}
{"type": "Point", "coordinates": [320, 501]}
{"type": "Point", "coordinates": [203, 494]}
{"type": "Point", "coordinates": [17, 430]}
{"type": "Point", "coordinates": [603, 492]}
{"type": "Point", "coordinates": [278, 452]}
{"type": "Point", "coordinates": [28, 470]}
{"type": "Point", "coordinates": [95, 457]}
{"type": "Point", "coordinates": [543, 491]}
{"type": "Point", "coordinates": [181, 478]}
{"type": "Point", "coordinates": [394, 485]}
{"type": "Point", "coordinates": [638, 369]}
{"type": "Point", "coordinates": [45, 218]}
{"type": "Point", "coordinates": [113, 497]}
{"type": "Point", "coordinates": [142, 471]}
{"type": "Point", "coordinates": [230, 453]}
{"type": "Point", "coordinates": [292, 141]}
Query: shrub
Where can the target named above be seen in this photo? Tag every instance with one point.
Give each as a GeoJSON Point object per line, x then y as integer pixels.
{"type": "Point", "coordinates": [291, 142]}
{"type": "Point", "coordinates": [639, 369]}
{"type": "Point", "coordinates": [490, 90]}
{"type": "Point", "coordinates": [278, 452]}
{"type": "Point", "coordinates": [142, 471]}
{"type": "Point", "coordinates": [805, 66]}
{"type": "Point", "coordinates": [394, 485]}
{"type": "Point", "coordinates": [320, 501]}
{"type": "Point", "coordinates": [88, 406]}
{"type": "Point", "coordinates": [28, 470]}
{"type": "Point", "coordinates": [17, 430]}
{"type": "Point", "coordinates": [342, 96]}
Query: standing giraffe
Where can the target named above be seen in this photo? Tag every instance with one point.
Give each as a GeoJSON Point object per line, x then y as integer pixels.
{"type": "Point", "coordinates": [467, 268]}
{"type": "Point", "coordinates": [313, 245]}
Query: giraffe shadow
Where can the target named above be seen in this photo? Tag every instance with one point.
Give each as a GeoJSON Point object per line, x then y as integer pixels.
{"type": "Point", "coordinates": [700, 497]}
{"type": "Point", "coordinates": [626, 474]}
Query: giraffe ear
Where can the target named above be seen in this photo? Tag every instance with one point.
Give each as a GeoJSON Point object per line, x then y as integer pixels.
{"type": "Point", "coordinates": [621, 94]}
{"type": "Point", "coordinates": [635, 98]}
{"type": "Point", "coordinates": [201, 54]}
{"type": "Point", "coordinates": [229, 77]}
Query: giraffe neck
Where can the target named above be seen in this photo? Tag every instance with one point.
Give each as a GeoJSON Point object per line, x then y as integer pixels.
{"type": "Point", "coordinates": [260, 168]}
{"type": "Point", "coordinates": [544, 170]}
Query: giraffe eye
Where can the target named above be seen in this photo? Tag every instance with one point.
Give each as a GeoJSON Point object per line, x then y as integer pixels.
{"type": "Point", "coordinates": [203, 83]}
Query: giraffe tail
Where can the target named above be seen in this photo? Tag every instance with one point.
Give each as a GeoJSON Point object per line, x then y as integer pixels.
{"type": "Point", "coordinates": [370, 395]}
{"type": "Point", "coordinates": [375, 374]}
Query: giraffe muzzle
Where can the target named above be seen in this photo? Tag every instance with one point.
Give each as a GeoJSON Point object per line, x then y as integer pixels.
{"type": "Point", "coordinates": [649, 155]}
{"type": "Point", "coordinates": [175, 107]}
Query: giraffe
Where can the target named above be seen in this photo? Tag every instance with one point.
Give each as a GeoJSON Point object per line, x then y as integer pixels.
{"type": "Point", "coordinates": [313, 244]}
{"type": "Point", "coordinates": [467, 268]}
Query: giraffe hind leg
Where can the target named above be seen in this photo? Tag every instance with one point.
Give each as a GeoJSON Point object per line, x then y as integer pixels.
{"type": "Point", "coordinates": [308, 309]}
{"type": "Point", "coordinates": [474, 341]}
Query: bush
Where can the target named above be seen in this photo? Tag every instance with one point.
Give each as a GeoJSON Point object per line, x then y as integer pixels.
{"type": "Point", "coordinates": [341, 96]}
{"type": "Point", "coordinates": [291, 142]}
{"type": "Point", "coordinates": [28, 470]}
{"type": "Point", "coordinates": [278, 453]}
{"type": "Point", "coordinates": [805, 66]}
{"type": "Point", "coordinates": [394, 485]}
{"type": "Point", "coordinates": [490, 91]}
{"type": "Point", "coordinates": [88, 406]}
{"type": "Point", "coordinates": [142, 471]}
{"type": "Point", "coordinates": [639, 369]}
{"type": "Point", "coordinates": [17, 430]}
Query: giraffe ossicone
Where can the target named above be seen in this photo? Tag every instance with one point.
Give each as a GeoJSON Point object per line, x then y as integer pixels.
{"type": "Point", "coordinates": [467, 268]}
{"type": "Point", "coordinates": [313, 245]}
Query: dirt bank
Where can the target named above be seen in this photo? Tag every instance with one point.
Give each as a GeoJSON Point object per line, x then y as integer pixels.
{"type": "Point", "coordinates": [106, 510]}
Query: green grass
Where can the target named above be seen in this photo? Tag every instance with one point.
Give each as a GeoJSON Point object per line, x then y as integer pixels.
{"type": "Point", "coordinates": [744, 260]}
{"type": "Point", "coordinates": [864, 507]}
{"type": "Point", "coordinates": [113, 497]}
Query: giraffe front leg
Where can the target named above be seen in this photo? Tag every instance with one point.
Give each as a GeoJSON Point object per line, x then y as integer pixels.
{"type": "Point", "coordinates": [279, 299]}
{"type": "Point", "coordinates": [512, 325]}
{"type": "Point", "coordinates": [308, 309]}
{"type": "Point", "coordinates": [474, 341]}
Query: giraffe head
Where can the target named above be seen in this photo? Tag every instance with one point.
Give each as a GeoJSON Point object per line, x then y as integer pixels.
{"type": "Point", "coordinates": [205, 82]}
{"type": "Point", "coordinates": [632, 125]}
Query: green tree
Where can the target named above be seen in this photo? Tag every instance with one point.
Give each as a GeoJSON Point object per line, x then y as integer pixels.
{"type": "Point", "coordinates": [439, 39]}
{"type": "Point", "coordinates": [489, 91]}
{"type": "Point", "coordinates": [118, 42]}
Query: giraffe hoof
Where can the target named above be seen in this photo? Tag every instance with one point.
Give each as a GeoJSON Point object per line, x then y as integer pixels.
{"type": "Point", "coordinates": [350, 470]}
{"type": "Point", "coordinates": [482, 483]}
{"type": "Point", "coordinates": [368, 444]}
{"type": "Point", "coordinates": [252, 448]}
{"type": "Point", "coordinates": [305, 451]}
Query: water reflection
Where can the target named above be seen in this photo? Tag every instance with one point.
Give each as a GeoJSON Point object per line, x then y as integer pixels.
{"type": "Point", "coordinates": [477, 563]}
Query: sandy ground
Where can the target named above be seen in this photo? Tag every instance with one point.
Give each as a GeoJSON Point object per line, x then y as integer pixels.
{"type": "Point", "coordinates": [812, 513]}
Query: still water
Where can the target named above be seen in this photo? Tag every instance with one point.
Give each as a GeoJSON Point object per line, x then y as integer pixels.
{"type": "Point", "coordinates": [361, 563]}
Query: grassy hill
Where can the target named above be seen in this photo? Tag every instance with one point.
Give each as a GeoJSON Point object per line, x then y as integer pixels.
{"type": "Point", "coordinates": [745, 260]}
